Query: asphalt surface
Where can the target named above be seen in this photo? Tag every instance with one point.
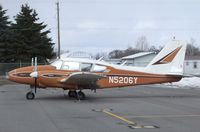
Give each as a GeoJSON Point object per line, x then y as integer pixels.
{"type": "Point", "coordinates": [114, 110]}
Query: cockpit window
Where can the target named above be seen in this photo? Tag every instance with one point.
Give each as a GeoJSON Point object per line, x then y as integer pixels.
{"type": "Point", "coordinates": [70, 66]}
{"type": "Point", "coordinates": [86, 67]}
{"type": "Point", "coordinates": [99, 68]}
{"type": "Point", "coordinates": [57, 64]}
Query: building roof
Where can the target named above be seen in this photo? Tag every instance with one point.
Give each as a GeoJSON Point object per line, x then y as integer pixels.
{"type": "Point", "coordinates": [140, 54]}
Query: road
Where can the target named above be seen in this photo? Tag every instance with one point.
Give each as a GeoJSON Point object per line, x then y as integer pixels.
{"type": "Point", "coordinates": [116, 110]}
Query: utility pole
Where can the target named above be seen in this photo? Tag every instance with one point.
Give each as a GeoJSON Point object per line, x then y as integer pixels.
{"type": "Point", "coordinates": [58, 26]}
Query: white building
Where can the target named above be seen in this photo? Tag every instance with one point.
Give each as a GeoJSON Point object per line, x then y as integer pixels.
{"type": "Point", "coordinates": [192, 65]}
{"type": "Point", "coordinates": [139, 59]}
{"type": "Point", "coordinates": [114, 61]}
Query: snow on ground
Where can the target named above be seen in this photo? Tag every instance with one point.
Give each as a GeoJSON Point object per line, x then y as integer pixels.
{"type": "Point", "coordinates": [191, 82]}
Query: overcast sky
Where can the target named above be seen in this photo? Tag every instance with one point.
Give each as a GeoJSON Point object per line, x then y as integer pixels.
{"type": "Point", "coordinates": [104, 25]}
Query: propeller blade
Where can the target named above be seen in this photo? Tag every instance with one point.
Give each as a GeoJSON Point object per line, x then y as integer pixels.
{"type": "Point", "coordinates": [35, 68]}
{"type": "Point", "coordinates": [34, 74]}
{"type": "Point", "coordinates": [32, 61]}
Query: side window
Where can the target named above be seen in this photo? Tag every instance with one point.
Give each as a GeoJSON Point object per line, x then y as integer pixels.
{"type": "Point", "coordinates": [70, 66]}
{"type": "Point", "coordinates": [99, 68]}
{"type": "Point", "coordinates": [86, 67]}
{"type": "Point", "coordinates": [65, 67]}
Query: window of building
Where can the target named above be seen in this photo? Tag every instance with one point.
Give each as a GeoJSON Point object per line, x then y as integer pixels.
{"type": "Point", "coordinates": [187, 63]}
{"type": "Point", "coordinates": [195, 65]}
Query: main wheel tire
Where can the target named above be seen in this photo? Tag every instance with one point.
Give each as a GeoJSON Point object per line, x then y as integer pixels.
{"type": "Point", "coordinates": [80, 95]}
{"type": "Point", "coordinates": [30, 96]}
{"type": "Point", "coordinates": [72, 94]}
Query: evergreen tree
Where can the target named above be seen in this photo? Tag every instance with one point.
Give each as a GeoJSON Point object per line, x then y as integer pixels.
{"type": "Point", "coordinates": [4, 23]}
{"type": "Point", "coordinates": [5, 36]}
{"type": "Point", "coordinates": [30, 37]}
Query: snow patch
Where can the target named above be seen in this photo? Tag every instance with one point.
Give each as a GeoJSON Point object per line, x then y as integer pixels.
{"type": "Point", "coordinates": [192, 82]}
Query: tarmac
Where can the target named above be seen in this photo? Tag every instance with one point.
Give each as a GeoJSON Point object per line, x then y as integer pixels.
{"type": "Point", "coordinates": [139, 109]}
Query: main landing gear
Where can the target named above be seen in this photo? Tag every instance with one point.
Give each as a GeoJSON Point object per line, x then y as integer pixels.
{"type": "Point", "coordinates": [78, 95]}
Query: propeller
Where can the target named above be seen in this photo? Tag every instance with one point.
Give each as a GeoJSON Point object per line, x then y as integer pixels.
{"type": "Point", "coordinates": [34, 74]}
{"type": "Point", "coordinates": [32, 61]}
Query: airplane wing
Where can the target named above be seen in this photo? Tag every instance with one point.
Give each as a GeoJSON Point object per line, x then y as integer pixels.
{"type": "Point", "coordinates": [83, 79]}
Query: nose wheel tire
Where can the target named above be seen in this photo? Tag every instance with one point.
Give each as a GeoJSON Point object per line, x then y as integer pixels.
{"type": "Point", "coordinates": [30, 96]}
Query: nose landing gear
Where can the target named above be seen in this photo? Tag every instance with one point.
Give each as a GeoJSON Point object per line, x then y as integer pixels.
{"type": "Point", "coordinates": [30, 95]}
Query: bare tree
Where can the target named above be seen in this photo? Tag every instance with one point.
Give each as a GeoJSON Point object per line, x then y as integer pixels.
{"type": "Point", "coordinates": [116, 54]}
{"type": "Point", "coordinates": [101, 54]}
{"type": "Point", "coordinates": [142, 43]}
{"type": "Point", "coordinates": [154, 49]}
{"type": "Point", "coordinates": [122, 53]}
{"type": "Point", "coordinates": [192, 49]}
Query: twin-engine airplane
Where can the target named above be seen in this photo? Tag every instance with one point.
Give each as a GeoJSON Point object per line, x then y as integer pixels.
{"type": "Point", "coordinates": [79, 74]}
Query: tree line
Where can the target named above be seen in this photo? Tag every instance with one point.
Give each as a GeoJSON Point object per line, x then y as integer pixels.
{"type": "Point", "coordinates": [143, 46]}
{"type": "Point", "coordinates": [24, 38]}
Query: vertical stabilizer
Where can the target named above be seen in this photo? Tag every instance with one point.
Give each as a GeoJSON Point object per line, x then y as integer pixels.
{"type": "Point", "coordinates": [170, 59]}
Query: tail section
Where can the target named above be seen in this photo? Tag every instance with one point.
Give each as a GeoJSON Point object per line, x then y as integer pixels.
{"type": "Point", "coordinates": [170, 59]}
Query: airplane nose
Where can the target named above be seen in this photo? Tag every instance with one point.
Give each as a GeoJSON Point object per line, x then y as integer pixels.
{"type": "Point", "coordinates": [21, 75]}
{"type": "Point", "coordinates": [27, 75]}
{"type": "Point", "coordinates": [10, 74]}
